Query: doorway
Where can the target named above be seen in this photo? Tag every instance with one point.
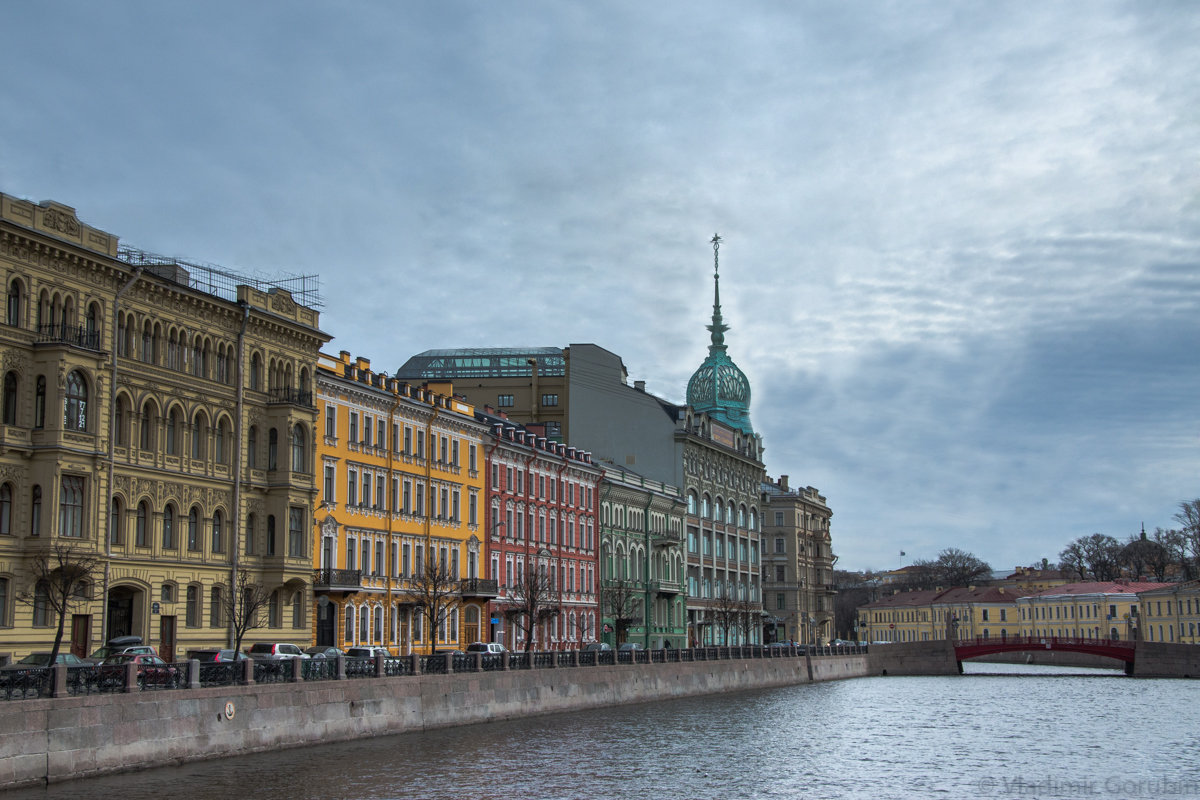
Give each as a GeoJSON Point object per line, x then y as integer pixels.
{"type": "Point", "coordinates": [81, 634]}
{"type": "Point", "coordinates": [166, 638]}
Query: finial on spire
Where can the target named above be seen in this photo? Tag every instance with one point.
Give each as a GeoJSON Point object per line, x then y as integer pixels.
{"type": "Point", "coordinates": [718, 327]}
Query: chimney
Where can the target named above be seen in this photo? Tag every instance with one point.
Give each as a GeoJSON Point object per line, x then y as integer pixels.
{"type": "Point", "coordinates": [639, 385]}
{"type": "Point", "coordinates": [783, 483]}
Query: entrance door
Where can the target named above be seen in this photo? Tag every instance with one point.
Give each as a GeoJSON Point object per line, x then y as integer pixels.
{"type": "Point", "coordinates": [81, 634]}
{"type": "Point", "coordinates": [120, 612]}
{"type": "Point", "coordinates": [471, 625]}
{"type": "Point", "coordinates": [326, 621]}
{"type": "Point", "coordinates": [166, 638]}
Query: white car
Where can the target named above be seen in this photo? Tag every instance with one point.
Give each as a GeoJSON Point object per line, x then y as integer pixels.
{"type": "Point", "coordinates": [485, 647]}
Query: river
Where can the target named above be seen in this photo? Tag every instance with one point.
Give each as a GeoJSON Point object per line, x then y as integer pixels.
{"type": "Point", "coordinates": [1036, 732]}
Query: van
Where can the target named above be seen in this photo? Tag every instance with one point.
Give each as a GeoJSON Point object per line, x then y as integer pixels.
{"type": "Point", "coordinates": [485, 647]}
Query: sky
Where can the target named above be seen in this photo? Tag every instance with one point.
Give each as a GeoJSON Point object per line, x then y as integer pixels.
{"type": "Point", "coordinates": [961, 258]}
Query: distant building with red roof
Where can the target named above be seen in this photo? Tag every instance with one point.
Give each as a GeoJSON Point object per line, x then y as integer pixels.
{"type": "Point", "coordinates": [1087, 610]}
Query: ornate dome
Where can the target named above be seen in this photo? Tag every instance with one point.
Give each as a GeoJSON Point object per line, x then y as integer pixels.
{"type": "Point", "coordinates": [718, 387]}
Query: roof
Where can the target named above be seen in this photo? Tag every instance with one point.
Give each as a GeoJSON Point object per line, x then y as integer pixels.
{"type": "Point", "coordinates": [483, 362]}
{"type": "Point", "coordinates": [983, 594]}
{"type": "Point", "coordinates": [907, 599]}
{"type": "Point", "coordinates": [1099, 587]}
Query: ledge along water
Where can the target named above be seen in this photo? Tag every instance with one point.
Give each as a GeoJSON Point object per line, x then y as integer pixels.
{"type": "Point", "coordinates": [1043, 733]}
{"type": "Point", "coordinates": [86, 734]}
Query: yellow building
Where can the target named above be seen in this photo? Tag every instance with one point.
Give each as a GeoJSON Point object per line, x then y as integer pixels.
{"type": "Point", "coordinates": [145, 404]}
{"type": "Point", "coordinates": [977, 612]}
{"type": "Point", "coordinates": [1171, 613]}
{"type": "Point", "coordinates": [900, 617]}
{"type": "Point", "coordinates": [1092, 610]}
{"type": "Point", "coordinates": [402, 477]}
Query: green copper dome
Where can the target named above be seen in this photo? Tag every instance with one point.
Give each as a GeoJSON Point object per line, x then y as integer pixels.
{"type": "Point", "coordinates": [718, 387]}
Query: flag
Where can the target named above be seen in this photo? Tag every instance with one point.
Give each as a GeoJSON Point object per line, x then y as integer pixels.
{"type": "Point", "coordinates": [902, 554]}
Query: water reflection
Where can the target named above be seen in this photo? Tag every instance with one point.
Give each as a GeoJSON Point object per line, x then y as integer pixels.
{"type": "Point", "coordinates": [971, 736]}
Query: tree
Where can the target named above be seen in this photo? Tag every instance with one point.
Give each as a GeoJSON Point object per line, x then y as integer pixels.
{"type": "Point", "coordinates": [534, 598]}
{"type": "Point", "coordinates": [621, 602]}
{"type": "Point", "coordinates": [61, 578]}
{"type": "Point", "coordinates": [1143, 555]}
{"type": "Point", "coordinates": [1188, 518]}
{"type": "Point", "coordinates": [431, 589]}
{"type": "Point", "coordinates": [854, 590]}
{"type": "Point", "coordinates": [724, 612]}
{"type": "Point", "coordinates": [243, 606]}
{"type": "Point", "coordinates": [1097, 556]}
{"type": "Point", "coordinates": [955, 567]}
{"type": "Point", "coordinates": [748, 617]}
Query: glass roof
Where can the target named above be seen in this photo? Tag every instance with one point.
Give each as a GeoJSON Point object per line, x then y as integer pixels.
{"type": "Point", "coordinates": [482, 362]}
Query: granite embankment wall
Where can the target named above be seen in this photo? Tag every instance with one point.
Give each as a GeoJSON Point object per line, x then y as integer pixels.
{"type": "Point", "coordinates": [51, 740]}
{"type": "Point", "coordinates": [1166, 660]}
{"type": "Point", "coordinates": [913, 658]}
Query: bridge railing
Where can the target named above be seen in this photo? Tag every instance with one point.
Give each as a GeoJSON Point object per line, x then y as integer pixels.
{"type": "Point", "coordinates": [1044, 642]}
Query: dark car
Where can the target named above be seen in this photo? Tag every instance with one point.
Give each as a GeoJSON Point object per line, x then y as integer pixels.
{"type": "Point", "coordinates": [597, 646]}
{"type": "Point", "coordinates": [41, 660]}
{"type": "Point", "coordinates": [630, 646]}
{"type": "Point", "coordinates": [324, 651]}
{"type": "Point", "coordinates": [152, 670]}
{"type": "Point", "coordinates": [217, 656]}
{"type": "Point", "coordinates": [121, 644]}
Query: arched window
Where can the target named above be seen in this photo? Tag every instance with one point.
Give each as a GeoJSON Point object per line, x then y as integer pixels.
{"type": "Point", "coordinates": [91, 326]}
{"type": "Point", "coordinates": [221, 445]}
{"type": "Point", "coordinates": [299, 463]}
{"type": "Point", "coordinates": [173, 432]}
{"type": "Point", "coordinates": [706, 507]}
{"type": "Point", "coordinates": [255, 372]}
{"type": "Point", "coordinates": [252, 447]}
{"type": "Point", "coordinates": [270, 534]}
{"type": "Point", "coordinates": [691, 503]}
{"type": "Point", "coordinates": [192, 620]}
{"type": "Point", "coordinates": [10, 398]}
{"type": "Point", "coordinates": [6, 497]}
{"type": "Point", "coordinates": [199, 434]}
{"type": "Point", "coordinates": [720, 511]}
{"type": "Point", "coordinates": [250, 520]}
{"type": "Point", "coordinates": [349, 624]}
{"type": "Point", "coordinates": [298, 610]}
{"type": "Point", "coordinates": [272, 449]}
{"type": "Point", "coordinates": [147, 343]}
{"type": "Point", "coordinates": [120, 421]}
{"type": "Point", "coordinates": [146, 427]}
{"type": "Point", "coordinates": [39, 403]}
{"type": "Point", "coordinates": [193, 534]}
{"type": "Point", "coordinates": [141, 537]}
{"type": "Point", "coordinates": [75, 404]}
{"type": "Point", "coordinates": [13, 314]}
{"type": "Point", "coordinates": [168, 528]}
{"type": "Point", "coordinates": [218, 545]}
{"type": "Point", "coordinates": [216, 607]}
{"type": "Point", "coordinates": [70, 507]}
{"type": "Point", "coordinates": [114, 521]}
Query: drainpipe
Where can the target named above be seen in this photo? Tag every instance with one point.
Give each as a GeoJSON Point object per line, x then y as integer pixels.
{"type": "Point", "coordinates": [646, 571]}
{"type": "Point", "coordinates": [112, 448]}
{"type": "Point", "coordinates": [387, 635]}
{"type": "Point", "coordinates": [429, 508]}
{"type": "Point", "coordinates": [236, 516]}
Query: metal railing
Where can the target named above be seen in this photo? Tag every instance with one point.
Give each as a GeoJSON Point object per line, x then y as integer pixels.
{"type": "Point", "coordinates": [41, 682]}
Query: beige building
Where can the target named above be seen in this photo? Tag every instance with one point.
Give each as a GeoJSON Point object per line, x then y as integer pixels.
{"type": "Point", "coordinates": [797, 579]}
{"type": "Point", "coordinates": [157, 415]}
{"type": "Point", "coordinates": [1171, 613]}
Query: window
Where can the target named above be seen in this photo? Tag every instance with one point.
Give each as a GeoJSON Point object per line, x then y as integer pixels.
{"type": "Point", "coordinates": [297, 611]}
{"type": "Point", "coordinates": [296, 531]}
{"type": "Point", "coordinates": [216, 608]}
{"type": "Point", "coordinates": [549, 400]}
{"type": "Point", "coordinates": [250, 547]}
{"type": "Point", "coordinates": [352, 487]}
{"type": "Point", "coordinates": [199, 431]}
{"type": "Point", "coordinates": [75, 403]}
{"type": "Point", "coordinates": [39, 404]}
{"type": "Point", "coordinates": [220, 446]}
{"type": "Point", "coordinates": [5, 615]}
{"type": "Point", "coordinates": [255, 372]}
{"type": "Point", "coordinates": [471, 458]}
{"type": "Point", "coordinates": [354, 427]}
{"type": "Point", "coordinates": [366, 430]}
{"type": "Point", "coordinates": [168, 528]}
{"type": "Point", "coordinates": [272, 449]}
{"type": "Point", "coordinates": [6, 509]}
{"type": "Point", "coordinates": [114, 518]}
{"type": "Point", "coordinates": [140, 538]}
{"type": "Point", "coordinates": [10, 398]}
{"type": "Point", "coordinates": [270, 534]}
{"type": "Point", "coordinates": [331, 422]}
{"type": "Point", "coordinates": [504, 401]}
{"type": "Point", "coordinates": [13, 310]}
{"type": "Point", "coordinates": [192, 620]}
{"type": "Point", "coordinates": [780, 544]}
{"type": "Point", "coordinates": [328, 488]}
{"type": "Point", "coordinates": [218, 545]}
{"type": "Point", "coordinates": [41, 605]}
{"type": "Point", "coordinates": [252, 447]}
{"type": "Point", "coordinates": [193, 535]}
{"type": "Point", "coordinates": [778, 517]}
{"type": "Point", "coordinates": [70, 508]}
{"type": "Point", "coordinates": [173, 432]}
{"type": "Point", "coordinates": [299, 462]}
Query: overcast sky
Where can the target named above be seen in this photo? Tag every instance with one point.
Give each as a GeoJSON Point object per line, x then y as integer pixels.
{"type": "Point", "coordinates": [962, 240]}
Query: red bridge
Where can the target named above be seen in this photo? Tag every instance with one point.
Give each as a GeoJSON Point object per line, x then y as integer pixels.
{"type": "Point", "coordinates": [1112, 648]}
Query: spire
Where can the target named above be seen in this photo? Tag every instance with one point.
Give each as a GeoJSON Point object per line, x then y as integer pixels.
{"type": "Point", "coordinates": [718, 327]}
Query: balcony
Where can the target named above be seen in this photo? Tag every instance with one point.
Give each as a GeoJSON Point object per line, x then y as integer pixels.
{"type": "Point", "coordinates": [666, 587]}
{"type": "Point", "coordinates": [668, 539]}
{"type": "Point", "coordinates": [287, 395]}
{"type": "Point", "coordinates": [337, 580]}
{"type": "Point", "coordinates": [74, 335]}
{"type": "Point", "coordinates": [478, 587]}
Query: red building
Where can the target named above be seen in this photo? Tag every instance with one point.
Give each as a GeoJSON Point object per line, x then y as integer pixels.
{"type": "Point", "coordinates": [542, 535]}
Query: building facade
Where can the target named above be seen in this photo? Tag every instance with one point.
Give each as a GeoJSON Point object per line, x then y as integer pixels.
{"type": "Point", "coordinates": [401, 553]}
{"type": "Point", "coordinates": [1089, 610]}
{"type": "Point", "coordinates": [643, 589]}
{"type": "Point", "coordinates": [158, 418]}
{"type": "Point", "coordinates": [797, 575]}
{"type": "Point", "coordinates": [542, 500]}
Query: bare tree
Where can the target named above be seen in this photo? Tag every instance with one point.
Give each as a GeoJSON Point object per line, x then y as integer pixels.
{"type": "Point", "coordinates": [748, 617]}
{"type": "Point", "coordinates": [243, 607]}
{"type": "Point", "coordinates": [431, 589]}
{"type": "Point", "coordinates": [621, 602]}
{"type": "Point", "coordinates": [1097, 556]}
{"type": "Point", "coordinates": [1188, 518]}
{"type": "Point", "coordinates": [724, 613]}
{"type": "Point", "coordinates": [534, 598]}
{"type": "Point", "coordinates": [1143, 555]}
{"type": "Point", "coordinates": [61, 578]}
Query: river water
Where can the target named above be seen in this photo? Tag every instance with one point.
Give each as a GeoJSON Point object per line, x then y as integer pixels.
{"type": "Point", "coordinates": [1036, 732]}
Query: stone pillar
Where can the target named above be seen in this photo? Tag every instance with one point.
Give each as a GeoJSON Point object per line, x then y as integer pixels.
{"type": "Point", "coordinates": [553, 659]}
{"type": "Point", "coordinates": [193, 676]}
{"type": "Point", "coordinates": [449, 662]}
{"type": "Point", "coordinates": [416, 663]}
{"type": "Point", "coordinates": [341, 668]}
{"type": "Point", "coordinates": [248, 671]}
{"type": "Point", "coordinates": [58, 680]}
{"type": "Point", "coordinates": [574, 658]}
{"type": "Point", "coordinates": [504, 661]}
{"type": "Point", "coordinates": [379, 669]}
{"type": "Point", "coordinates": [296, 671]}
{"type": "Point", "coordinates": [130, 676]}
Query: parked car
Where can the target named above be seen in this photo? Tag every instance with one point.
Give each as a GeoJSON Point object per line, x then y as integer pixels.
{"type": "Point", "coordinates": [39, 660]}
{"type": "Point", "coordinates": [630, 646]}
{"type": "Point", "coordinates": [597, 646]}
{"type": "Point", "coordinates": [217, 656]}
{"type": "Point", "coordinates": [367, 651]}
{"type": "Point", "coordinates": [324, 651]}
{"type": "Point", "coordinates": [121, 644]}
{"type": "Point", "coordinates": [486, 647]}
{"type": "Point", "coordinates": [275, 651]}
{"type": "Point", "coordinates": [151, 669]}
